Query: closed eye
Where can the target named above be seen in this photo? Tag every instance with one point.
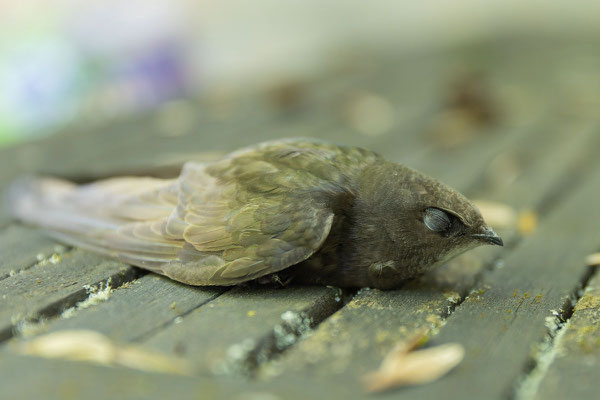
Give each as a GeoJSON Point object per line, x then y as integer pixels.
{"type": "Point", "coordinates": [436, 220]}
{"type": "Point", "coordinates": [443, 222]}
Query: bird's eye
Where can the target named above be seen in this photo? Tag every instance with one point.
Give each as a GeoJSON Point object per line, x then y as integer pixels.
{"type": "Point", "coordinates": [436, 220]}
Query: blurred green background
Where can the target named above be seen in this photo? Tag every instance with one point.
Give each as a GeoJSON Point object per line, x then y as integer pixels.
{"type": "Point", "coordinates": [65, 61]}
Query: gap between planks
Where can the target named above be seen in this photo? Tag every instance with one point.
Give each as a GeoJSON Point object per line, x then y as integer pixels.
{"type": "Point", "coordinates": [527, 385]}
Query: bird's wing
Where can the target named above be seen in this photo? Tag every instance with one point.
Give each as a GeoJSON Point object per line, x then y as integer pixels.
{"type": "Point", "coordinates": [240, 227]}
{"type": "Point", "coordinates": [252, 214]}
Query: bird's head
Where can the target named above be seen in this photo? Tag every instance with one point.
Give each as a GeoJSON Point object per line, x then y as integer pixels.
{"type": "Point", "coordinates": [417, 220]}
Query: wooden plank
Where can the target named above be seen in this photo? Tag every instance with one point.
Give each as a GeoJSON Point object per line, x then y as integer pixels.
{"type": "Point", "coordinates": [136, 309]}
{"type": "Point", "coordinates": [501, 324]}
{"type": "Point", "coordinates": [31, 378]}
{"type": "Point", "coordinates": [575, 372]}
{"type": "Point", "coordinates": [354, 340]}
{"type": "Point", "coordinates": [246, 326]}
{"type": "Point", "coordinates": [24, 247]}
{"type": "Point", "coordinates": [24, 378]}
{"type": "Point", "coordinates": [50, 288]}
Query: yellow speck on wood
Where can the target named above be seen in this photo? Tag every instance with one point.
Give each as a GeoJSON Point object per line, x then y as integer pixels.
{"type": "Point", "coordinates": [538, 298]}
{"type": "Point", "coordinates": [251, 313]}
{"type": "Point", "coordinates": [527, 222]}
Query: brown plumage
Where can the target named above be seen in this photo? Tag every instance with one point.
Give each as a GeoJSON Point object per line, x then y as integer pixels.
{"type": "Point", "coordinates": [296, 209]}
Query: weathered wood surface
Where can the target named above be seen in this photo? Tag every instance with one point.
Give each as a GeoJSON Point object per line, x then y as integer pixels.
{"type": "Point", "coordinates": [155, 302]}
{"type": "Point", "coordinates": [27, 378]}
{"type": "Point", "coordinates": [53, 285]}
{"type": "Point", "coordinates": [540, 155]}
{"type": "Point", "coordinates": [17, 243]}
{"type": "Point", "coordinates": [570, 369]}
{"type": "Point", "coordinates": [507, 318]}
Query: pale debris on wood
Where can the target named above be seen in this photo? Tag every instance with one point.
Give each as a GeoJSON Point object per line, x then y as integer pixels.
{"type": "Point", "coordinates": [593, 260]}
{"type": "Point", "coordinates": [497, 215]}
{"type": "Point", "coordinates": [369, 113]}
{"type": "Point", "coordinates": [402, 366]}
{"type": "Point", "coordinates": [96, 295]}
{"type": "Point", "coordinates": [91, 346]}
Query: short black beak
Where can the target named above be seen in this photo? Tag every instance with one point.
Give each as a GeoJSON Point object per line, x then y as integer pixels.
{"type": "Point", "coordinates": [489, 236]}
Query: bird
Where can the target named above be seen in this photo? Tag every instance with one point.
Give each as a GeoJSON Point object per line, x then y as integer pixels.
{"type": "Point", "coordinates": [288, 210]}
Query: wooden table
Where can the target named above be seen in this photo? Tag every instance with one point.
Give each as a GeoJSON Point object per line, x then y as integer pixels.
{"type": "Point", "coordinates": [527, 314]}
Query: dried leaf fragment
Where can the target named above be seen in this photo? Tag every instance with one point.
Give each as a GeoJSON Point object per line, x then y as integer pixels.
{"type": "Point", "coordinates": [593, 260]}
{"type": "Point", "coordinates": [91, 346]}
{"type": "Point", "coordinates": [497, 215]}
{"type": "Point", "coordinates": [401, 368]}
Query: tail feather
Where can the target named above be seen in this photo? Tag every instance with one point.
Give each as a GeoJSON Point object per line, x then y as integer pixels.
{"type": "Point", "coordinates": [113, 217]}
{"type": "Point", "coordinates": [59, 205]}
